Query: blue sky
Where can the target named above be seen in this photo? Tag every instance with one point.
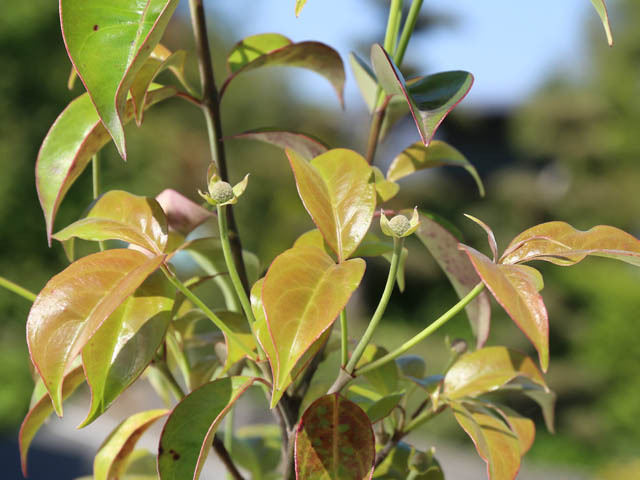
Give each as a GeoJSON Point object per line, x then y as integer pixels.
{"type": "Point", "coordinates": [510, 46]}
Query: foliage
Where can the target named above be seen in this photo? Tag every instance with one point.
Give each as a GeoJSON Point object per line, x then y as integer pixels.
{"type": "Point", "coordinates": [120, 312]}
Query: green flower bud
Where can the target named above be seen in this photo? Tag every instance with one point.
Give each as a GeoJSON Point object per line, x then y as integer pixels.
{"type": "Point", "coordinates": [399, 225]}
{"type": "Point", "coordinates": [221, 192]}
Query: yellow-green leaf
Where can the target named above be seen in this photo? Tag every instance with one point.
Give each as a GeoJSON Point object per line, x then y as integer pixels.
{"type": "Point", "coordinates": [299, 5]}
{"type": "Point", "coordinates": [306, 145]}
{"type": "Point", "coordinates": [601, 8]}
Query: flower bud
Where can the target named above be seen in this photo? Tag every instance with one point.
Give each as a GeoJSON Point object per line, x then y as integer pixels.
{"type": "Point", "coordinates": [399, 225]}
{"type": "Point", "coordinates": [221, 192]}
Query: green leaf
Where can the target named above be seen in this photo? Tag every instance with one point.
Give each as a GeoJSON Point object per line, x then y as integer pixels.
{"type": "Point", "coordinates": [120, 215]}
{"type": "Point", "coordinates": [257, 449]}
{"type": "Point", "coordinates": [74, 303]}
{"type": "Point", "coordinates": [496, 444]}
{"type": "Point", "coordinates": [237, 323]}
{"type": "Point", "coordinates": [385, 189]}
{"type": "Point", "coordinates": [366, 80]}
{"type": "Point", "coordinates": [125, 344]}
{"type": "Point", "coordinates": [489, 369]}
{"type": "Point", "coordinates": [383, 379]}
{"type": "Point", "coordinates": [376, 405]}
{"type": "Point", "coordinates": [299, 5]}
{"type": "Point", "coordinates": [75, 136]}
{"type": "Point", "coordinates": [337, 189]}
{"type": "Point", "coordinates": [183, 215]}
{"type": "Point", "coordinates": [188, 434]}
{"type": "Point", "coordinates": [301, 143]}
{"type": "Point", "coordinates": [601, 8]}
{"type": "Point", "coordinates": [437, 154]}
{"type": "Point", "coordinates": [443, 246]}
{"type": "Point", "coordinates": [274, 50]}
{"type": "Point", "coordinates": [545, 398]}
{"type": "Point", "coordinates": [412, 366]}
{"type": "Point", "coordinates": [430, 98]}
{"type": "Point", "coordinates": [40, 409]}
{"type": "Point", "coordinates": [303, 293]}
{"type": "Point", "coordinates": [334, 441]}
{"type": "Point", "coordinates": [516, 291]}
{"type": "Point", "coordinates": [396, 465]}
{"type": "Point", "coordinates": [560, 243]}
{"type": "Point", "coordinates": [113, 455]}
{"type": "Point", "coordinates": [108, 42]}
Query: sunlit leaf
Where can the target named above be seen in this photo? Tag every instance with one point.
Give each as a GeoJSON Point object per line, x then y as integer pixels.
{"type": "Point", "coordinates": [299, 5]}
{"type": "Point", "coordinates": [443, 246]}
{"type": "Point", "coordinates": [601, 8]}
{"type": "Point", "coordinates": [437, 154]}
{"type": "Point", "coordinates": [338, 190]}
{"type": "Point", "coordinates": [112, 457]}
{"type": "Point", "coordinates": [496, 444]}
{"type": "Point", "coordinates": [489, 369]}
{"type": "Point", "coordinates": [75, 136]}
{"type": "Point", "coordinates": [73, 305]}
{"type": "Point", "coordinates": [386, 189]}
{"type": "Point", "coordinates": [237, 323]}
{"type": "Point", "coordinates": [303, 293]}
{"type": "Point", "coordinates": [516, 291]}
{"type": "Point", "coordinates": [334, 441]}
{"type": "Point", "coordinates": [523, 427]}
{"type": "Point", "coordinates": [274, 50]}
{"type": "Point", "coordinates": [560, 243]}
{"type": "Point", "coordinates": [183, 215]}
{"type": "Point", "coordinates": [120, 215]}
{"type": "Point", "coordinates": [125, 344]}
{"type": "Point", "coordinates": [124, 33]}
{"type": "Point", "coordinates": [430, 98]}
{"type": "Point", "coordinates": [188, 434]}
{"type": "Point", "coordinates": [40, 409]}
{"type": "Point", "coordinates": [305, 145]}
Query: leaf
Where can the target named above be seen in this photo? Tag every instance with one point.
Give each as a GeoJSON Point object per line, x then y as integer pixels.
{"type": "Point", "coordinates": [113, 455]}
{"type": "Point", "coordinates": [125, 344]}
{"type": "Point", "coordinates": [183, 215]}
{"type": "Point", "coordinates": [188, 434]}
{"type": "Point", "coordinates": [238, 324]}
{"type": "Point", "coordinates": [301, 143]}
{"type": "Point", "coordinates": [383, 379]}
{"type": "Point", "coordinates": [75, 136]}
{"type": "Point", "coordinates": [274, 50]}
{"type": "Point", "coordinates": [120, 215]}
{"type": "Point", "coordinates": [443, 246]}
{"type": "Point", "coordinates": [334, 440]}
{"type": "Point", "coordinates": [366, 80]}
{"type": "Point", "coordinates": [40, 409]}
{"type": "Point", "coordinates": [338, 191]}
{"type": "Point", "coordinates": [496, 444]}
{"type": "Point", "coordinates": [74, 303]}
{"type": "Point", "coordinates": [523, 427]}
{"type": "Point", "coordinates": [303, 293]}
{"type": "Point", "coordinates": [437, 154]}
{"type": "Point", "coordinates": [376, 405]}
{"type": "Point", "coordinates": [601, 8]}
{"type": "Point", "coordinates": [299, 5]}
{"type": "Point", "coordinates": [412, 366]}
{"type": "Point", "coordinates": [430, 98]}
{"type": "Point", "coordinates": [489, 369]}
{"type": "Point", "coordinates": [385, 189]}
{"type": "Point", "coordinates": [560, 243]}
{"type": "Point", "coordinates": [124, 33]}
{"type": "Point", "coordinates": [257, 449]}
{"type": "Point", "coordinates": [396, 466]}
{"type": "Point", "coordinates": [516, 291]}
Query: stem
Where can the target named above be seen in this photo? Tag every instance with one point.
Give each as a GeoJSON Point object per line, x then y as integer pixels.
{"type": "Point", "coordinates": [407, 31]}
{"type": "Point", "coordinates": [393, 25]}
{"type": "Point", "coordinates": [230, 335]}
{"type": "Point", "coordinates": [17, 289]}
{"type": "Point", "coordinates": [176, 389]}
{"type": "Point", "coordinates": [211, 108]}
{"type": "Point", "coordinates": [95, 177]}
{"type": "Point", "coordinates": [344, 338]}
{"type": "Point", "coordinates": [452, 312]}
{"type": "Point", "coordinates": [376, 127]}
{"type": "Point", "coordinates": [423, 418]}
{"type": "Point", "coordinates": [382, 306]}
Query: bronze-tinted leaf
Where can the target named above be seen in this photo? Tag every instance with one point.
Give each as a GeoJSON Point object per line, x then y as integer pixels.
{"type": "Point", "coordinates": [74, 303]}
{"type": "Point", "coordinates": [183, 215]}
{"type": "Point", "coordinates": [306, 145]}
{"type": "Point", "coordinates": [334, 441]}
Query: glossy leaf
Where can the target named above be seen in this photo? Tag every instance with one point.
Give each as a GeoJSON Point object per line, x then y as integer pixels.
{"type": "Point", "coordinates": [301, 143]}
{"type": "Point", "coordinates": [74, 303]}
{"type": "Point", "coordinates": [338, 190]}
{"type": "Point", "coordinates": [75, 136]}
{"type": "Point", "coordinates": [601, 8]}
{"type": "Point", "coordinates": [496, 444]}
{"type": "Point", "coordinates": [113, 455]}
{"type": "Point", "coordinates": [334, 441]}
{"type": "Point", "coordinates": [430, 98]}
{"type": "Point", "coordinates": [443, 246]}
{"type": "Point", "coordinates": [560, 243]}
{"type": "Point", "coordinates": [274, 50]}
{"type": "Point", "coordinates": [516, 291]}
{"type": "Point", "coordinates": [125, 33]}
{"type": "Point", "coordinates": [183, 215]}
{"type": "Point", "coordinates": [437, 154]}
{"type": "Point", "coordinates": [120, 215]}
{"type": "Point", "coordinates": [125, 344]}
{"type": "Point", "coordinates": [40, 409]}
{"type": "Point", "coordinates": [303, 293]}
{"type": "Point", "coordinates": [489, 369]}
{"type": "Point", "coordinates": [188, 434]}
{"type": "Point", "coordinates": [386, 189]}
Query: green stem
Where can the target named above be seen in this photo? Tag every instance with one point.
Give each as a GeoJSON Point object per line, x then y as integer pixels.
{"type": "Point", "coordinates": [17, 289]}
{"type": "Point", "coordinates": [393, 25]}
{"type": "Point", "coordinates": [95, 177]}
{"type": "Point", "coordinates": [207, 311]}
{"type": "Point", "coordinates": [421, 419]}
{"type": "Point", "coordinates": [382, 306]}
{"type": "Point", "coordinates": [452, 312]}
{"type": "Point", "coordinates": [407, 31]}
{"type": "Point", "coordinates": [344, 338]}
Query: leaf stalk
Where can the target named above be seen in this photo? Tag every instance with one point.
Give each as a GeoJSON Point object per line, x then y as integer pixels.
{"type": "Point", "coordinates": [17, 289]}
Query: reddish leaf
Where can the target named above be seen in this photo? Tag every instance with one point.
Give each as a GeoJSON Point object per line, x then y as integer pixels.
{"type": "Point", "coordinates": [183, 215]}
{"type": "Point", "coordinates": [301, 143]}
{"type": "Point", "coordinates": [74, 303]}
{"type": "Point", "coordinates": [334, 441]}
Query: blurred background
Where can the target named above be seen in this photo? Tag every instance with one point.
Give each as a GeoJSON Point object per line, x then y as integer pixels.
{"type": "Point", "coordinates": [551, 124]}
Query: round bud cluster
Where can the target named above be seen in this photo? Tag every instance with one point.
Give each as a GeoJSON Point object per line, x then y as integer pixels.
{"type": "Point", "coordinates": [221, 192]}
{"type": "Point", "coordinates": [399, 225]}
